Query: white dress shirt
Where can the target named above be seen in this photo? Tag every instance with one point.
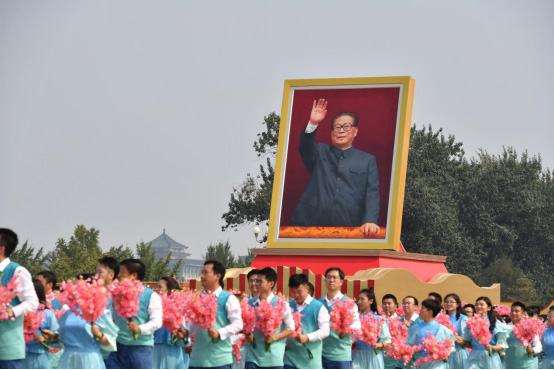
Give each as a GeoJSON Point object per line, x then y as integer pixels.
{"type": "Point", "coordinates": [323, 319]}
{"type": "Point", "coordinates": [233, 314]}
{"type": "Point", "coordinates": [414, 317]}
{"type": "Point", "coordinates": [155, 312]}
{"type": "Point", "coordinates": [287, 318]}
{"type": "Point", "coordinates": [310, 128]}
{"type": "Point", "coordinates": [27, 295]}
{"type": "Point", "coordinates": [356, 323]}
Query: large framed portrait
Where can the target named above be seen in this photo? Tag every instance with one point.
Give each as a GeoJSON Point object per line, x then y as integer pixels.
{"type": "Point", "coordinates": [341, 163]}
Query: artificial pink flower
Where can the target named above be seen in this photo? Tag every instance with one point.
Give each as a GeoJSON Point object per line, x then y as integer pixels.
{"type": "Point", "coordinates": [236, 347]}
{"type": "Point", "coordinates": [202, 309]}
{"type": "Point", "coordinates": [444, 320]}
{"type": "Point", "coordinates": [32, 322]}
{"type": "Point", "coordinates": [342, 317]}
{"type": "Point", "coordinates": [270, 317]}
{"type": "Point", "coordinates": [126, 297]}
{"type": "Point", "coordinates": [436, 351]}
{"type": "Point", "coordinates": [86, 298]}
{"type": "Point", "coordinates": [7, 294]}
{"type": "Point", "coordinates": [503, 309]}
{"type": "Point", "coordinates": [527, 329]}
{"type": "Point", "coordinates": [173, 306]}
{"type": "Point", "coordinates": [371, 329]}
{"type": "Point", "coordinates": [398, 348]}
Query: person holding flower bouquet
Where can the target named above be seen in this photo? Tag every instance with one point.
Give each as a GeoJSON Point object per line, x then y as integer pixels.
{"type": "Point", "coordinates": [337, 348]}
{"type": "Point", "coordinates": [427, 331]}
{"type": "Point", "coordinates": [304, 351]}
{"type": "Point", "coordinates": [547, 341]}
{"type": "Point", "coordinates": [49, 281]}
{"type": "Point", "coordinates": [168, 350]}
{"type": "Point", "coordinates": [135, 339]}
{"type": "Point", "coordinates": [37, 356]}
{"type": "Point", "coordinates": [212, 347]}
{"type": "Point", "coordinates": [274, 312]}
{"type": "Point", "coordinates": [369, 355]}
{"type": "Point", "coordinates": [453, 307]}
{"type": "Point", "coordinates": [107, 270]}
{"type": "Point", "coordinates": [12, 348]}
{"type": "Point", "coordinates": [82, 340]}
{"type": "Point", "coordinates": [519, 356]}
{"type": "Point", "coordinates": [485, 336]}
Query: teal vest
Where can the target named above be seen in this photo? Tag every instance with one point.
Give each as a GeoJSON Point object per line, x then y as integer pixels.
{"type": "Point", "coordinates": [258, 355]}
{"type": "Point", "coordinates": [206, 353]}
{"type": "Point", "coordinates": [516, 355]}
{"type": "Point", "coordinates": [124, 335]}
{"type": "Point", "coordinates": [336, 348]}
{"type": "Point", "coordinates": [296, 354]}
{"type": "Point", "coordinates": [12, 343]}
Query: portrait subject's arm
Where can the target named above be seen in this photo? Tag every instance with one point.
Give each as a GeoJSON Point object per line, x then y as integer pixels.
{"type": "Point", "coordinates": [307, 149]}
{"type": "Point", "coordinates": [372, 196]}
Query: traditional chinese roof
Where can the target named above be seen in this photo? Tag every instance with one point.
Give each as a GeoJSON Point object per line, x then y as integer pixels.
{"type": "Point", "coordinates": [165, 241]}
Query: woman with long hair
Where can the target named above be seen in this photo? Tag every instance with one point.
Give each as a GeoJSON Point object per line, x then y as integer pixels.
{"type": "Point", "coordinates": [486, 356]}
{"type": "Point", "coordinates": [364, 356]}
{"type": "Point", "coordinates": [453, 308]}
{"type": "Point", "coordinates": [168, 353]}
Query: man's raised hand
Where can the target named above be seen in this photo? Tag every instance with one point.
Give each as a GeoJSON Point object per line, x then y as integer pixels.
{"type": "Point", "coordinates": [319, 110]}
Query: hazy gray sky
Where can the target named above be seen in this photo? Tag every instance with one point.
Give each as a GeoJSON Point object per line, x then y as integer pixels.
{"type": "Point", "coordinates": [134, 116]}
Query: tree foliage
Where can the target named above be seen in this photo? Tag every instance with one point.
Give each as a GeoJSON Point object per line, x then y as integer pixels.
{"type": "Point", "coordinates": [223, 253]}
{"type": "Point", "coordinates": [251, 202]}
{"type": "Point", "coordinates": [120, 253]}
{"type": "Point", "coordinates": [26, 256]}
{"type": "Point", "coordinates": [155, 267]}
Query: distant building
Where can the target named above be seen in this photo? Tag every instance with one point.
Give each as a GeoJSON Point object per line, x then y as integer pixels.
{"type": "Point", "coordinates": [190, 268]}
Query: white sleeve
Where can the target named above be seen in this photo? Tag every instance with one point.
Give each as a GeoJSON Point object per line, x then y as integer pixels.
{"type": "Point", "coordinates": [537, 345]}
{"type": "Point", "coordinates": [235, 318]}
{"type": "Point", "coordinates": [287, 318]}
{"type": "Point", "coordinates": [323, 325]}
{"type": "Point", "coordinates": [155, 312]}
{"type": "Point", "coordinates": [27, 295]}
{"type": "Point", "coordinates": [356, 323]}
{"type": "Point", "coordinates": [310, 128]}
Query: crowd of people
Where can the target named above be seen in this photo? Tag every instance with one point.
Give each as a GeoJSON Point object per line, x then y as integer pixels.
{"type": "Point", "coordinates": [333, 332]}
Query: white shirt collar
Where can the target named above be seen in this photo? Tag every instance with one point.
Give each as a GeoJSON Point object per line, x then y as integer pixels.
{"type": "Point", "coordinates": [4, 264]}
{"type": "Point", "coordinates": [414, 317]}
{"type": "Point", "coordinates": [306, 302]}
{"type": "Point", "coordinates": [216, 292]}
{"type": "Point", "coordinates": [335, 298]}
{"type": "Point", "coordinates": [269, 298]}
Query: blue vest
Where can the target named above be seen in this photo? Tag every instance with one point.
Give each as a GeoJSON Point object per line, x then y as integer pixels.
{"type": "Point", "coordinates": [258, 355]}
{"type": "Point", "coordinates": [11, 332]}
{"type": "Point", "coordinates": [125, 336]}
{"type": "Point", "coordinates": [336, 348]}
{"type": "Point", "coordinates": [296, 354]}
{"type": "Point", "coordinates": [206, 353]}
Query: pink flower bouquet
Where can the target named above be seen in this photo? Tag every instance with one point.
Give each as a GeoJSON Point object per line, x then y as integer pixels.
{"type": "Point", "coordinates": [371, 329]}
{"type": "Point", "coordinates": [436, 351]}
{"type": "Point", "coordinates": [270, 317]}
{"type": "Point", "coordinates": [249, 318]}
{"type": "Point", "coordinates": [32, 322]}
{"type": "Point", "coordinates": [297, 317]}
{"type": "Point", "coordinates": [202, 310]}
{"type": "Point", "coordinates": [527, 330]}
{"type": "Point", "coordinates": [86, 298]}
{"type": "Point", "coordinates": [502, 309]}
{"type": "Point", "coordinates": [173, 312]}
{"type": "Point", "coordinates": [342, 317]}
{"type": "Point", "coordinates": [398, 348]}
{"type": "Point", "coordinates": [7, 294]}
{"type": "Point", "coordinates": [478, 325]}
{"type": "Point", "coordinates": [444, 320]}
{"type": "Point", "coordinates": [237, 346]}
{"type": "Point", "coordinates": [126, 299]}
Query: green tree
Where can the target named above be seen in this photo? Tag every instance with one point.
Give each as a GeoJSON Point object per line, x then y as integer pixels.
{"type": "Point", "coordinates": [120, 253]}
{"type": "Point", "coordinates": [222, 252]}
{"type": "Point", "coordinates": [155, 267]}
{"type": "Point", "coordinates": [251, 202]}
{"type": "Point", "coordinates": [515, 286]}
{"type": "Point", "coordinates": [26, 256]}
{"type": "Point", "coordinates": [79, 255]}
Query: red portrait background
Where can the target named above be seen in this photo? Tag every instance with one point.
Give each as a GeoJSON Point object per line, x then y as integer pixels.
{"type": "Point", "coordinates": [377, 111]}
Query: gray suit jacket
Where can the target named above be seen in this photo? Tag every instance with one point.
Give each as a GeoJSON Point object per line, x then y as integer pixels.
{"type": "Point", "coordinates": [343, 189]}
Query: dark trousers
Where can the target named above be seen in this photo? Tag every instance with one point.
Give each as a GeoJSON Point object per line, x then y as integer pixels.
{"type": "Point", "coordinates": [218, 367]}
{"type": "Point", "coordinates": [130, 357]}
{"type": "Point", "coordinates": [252, 365]}
{"type": "Point", "coordinates": [328, 364]}
{"type": "Point", "coordinates": [10, 364]}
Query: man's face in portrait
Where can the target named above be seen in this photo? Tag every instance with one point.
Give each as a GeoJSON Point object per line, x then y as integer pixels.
{"type": "Point", "coordinates": [344, 132]}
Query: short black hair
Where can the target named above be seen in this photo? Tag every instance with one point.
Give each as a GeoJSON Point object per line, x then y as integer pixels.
{"type": "Point", "coordinates": [298, 279]}
{"type": "Point", "coordinates": [390, 296]}
{"type": "Point", "coordinates": [135, 266]}
{"type": "Point", "coordinates": [110, 263]}
{"type": "Point", "coordinates": [218, 268]}
{"type": "Point", "coordinates": [520, 304]}
{"type": "Point", "coordinates": [437, 297]}
{"type": "Point", "coordinates": [250, 273]}
{"type": "Point", "coordinates": [269, 274]}
{"type": "Point", "coordinates": [470, 306]}
{"type": "Point", "coordinates": [536, 310]}
{"type": "Point", "coordinates": [171, 283]}
{"type": "Point", "coordinates": [311, 288]}
{"type": "Point", "coordinates": [507, 319]}
{"type": "Point", "coordinates": [9, 240]}
{"type": "Point", "coordinates": [39, 289]}
{"type": "Point", "coordinates": [350, 114]}
{"type": "Point", "coordinates": [341, 273]}
{"type": "Point", "coordinates": [432, 305]}
{"type": "Point", "coordinates": [49, 276]}
{"type": "Point", "coordinates": [416, 302]}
